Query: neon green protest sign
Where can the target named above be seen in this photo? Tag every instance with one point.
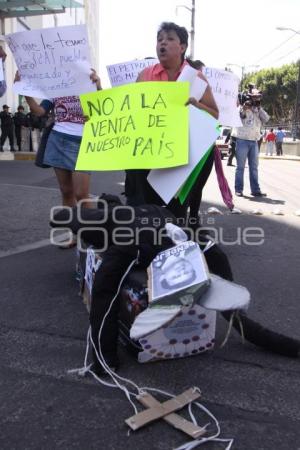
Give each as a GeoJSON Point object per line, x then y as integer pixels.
{"type": "Point", "coordinates": [135, 126]}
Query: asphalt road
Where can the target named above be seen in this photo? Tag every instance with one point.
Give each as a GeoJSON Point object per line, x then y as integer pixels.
{"type": "Point", "coordinates": [254, 394]}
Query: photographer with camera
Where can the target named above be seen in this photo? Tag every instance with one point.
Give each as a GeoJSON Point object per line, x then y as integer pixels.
{"type": "Point", "coordinates": [253, 116]}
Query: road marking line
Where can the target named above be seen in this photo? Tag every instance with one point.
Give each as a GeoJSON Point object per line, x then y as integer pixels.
{"type": "Point", "coordinates": [28, 247]}
{"type": "Point", "coordinates": [30, 187]}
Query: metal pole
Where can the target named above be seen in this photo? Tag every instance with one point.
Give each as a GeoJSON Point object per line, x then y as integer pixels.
{"type": "Point", "coordinates": [243, 73]}
{"type": "Point", "coordinates": [192, 29]}
{"type": "Point", "coordinates": [2, 26]}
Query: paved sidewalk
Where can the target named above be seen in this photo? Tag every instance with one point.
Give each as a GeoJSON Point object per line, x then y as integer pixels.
{"type": "Point", "coordinates": [283, 157]}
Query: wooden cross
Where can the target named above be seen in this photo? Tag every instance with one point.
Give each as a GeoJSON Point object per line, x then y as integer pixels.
{"type": "Point", "coordinates": [165, 411]}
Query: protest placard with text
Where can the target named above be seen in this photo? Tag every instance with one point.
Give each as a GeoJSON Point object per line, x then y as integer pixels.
{"type": "Point", "coordinates": [225, 88]}
{"type": "Point", "coordinates": [127, 72]}
{"type": "Point", "coordinates": [136, 126]}
{"type": "Point", "coordinates": [52, 62]}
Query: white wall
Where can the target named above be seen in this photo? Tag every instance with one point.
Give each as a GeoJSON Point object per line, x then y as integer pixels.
{"type": "Point", "coordinates": [92, 20]}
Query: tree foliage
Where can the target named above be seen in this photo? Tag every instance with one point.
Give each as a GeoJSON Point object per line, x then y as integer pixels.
{"type": "Point", "coordinates": [279, 87]}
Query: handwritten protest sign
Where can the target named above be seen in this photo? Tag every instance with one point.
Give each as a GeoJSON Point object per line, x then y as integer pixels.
{"type": "Point", "coordinates": [127, 72]}
{"type": "Point", "coordinates": [225, 87]}
{"type": "Point", "coordinates": [203, 131]}
{"type": "Point", "coordinates": [137, 126]}
{"type": "Point", "coordinates": [52, 62]}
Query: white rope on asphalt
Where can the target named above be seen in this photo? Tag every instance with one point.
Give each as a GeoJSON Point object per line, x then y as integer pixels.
{"type": "Point", "coordinates": [229, 329]}
{"type": "Point", "coordinates": [115, 377]}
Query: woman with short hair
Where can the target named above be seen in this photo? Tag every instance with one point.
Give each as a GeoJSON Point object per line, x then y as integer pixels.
{"type": "Point", "coordinates": [171, 46]}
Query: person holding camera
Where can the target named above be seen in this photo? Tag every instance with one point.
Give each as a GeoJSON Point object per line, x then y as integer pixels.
{"type": "Point", "coordinates": [253, 116]}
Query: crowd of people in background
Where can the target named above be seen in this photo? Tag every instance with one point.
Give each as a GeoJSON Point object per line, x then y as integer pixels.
{"type": "Point", "coordinates": [274, 140]}
{"type": "Point", "coordinates": [22, 130]}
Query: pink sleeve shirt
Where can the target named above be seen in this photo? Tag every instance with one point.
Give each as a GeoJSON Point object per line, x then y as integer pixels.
{"type": "Point", "coordinates": [158, 73]}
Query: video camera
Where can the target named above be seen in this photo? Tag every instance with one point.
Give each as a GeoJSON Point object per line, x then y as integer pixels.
{"type": "Point", "coordinates": [252, 97]}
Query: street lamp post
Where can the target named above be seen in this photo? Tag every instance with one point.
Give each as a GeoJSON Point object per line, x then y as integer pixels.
{"type": "Point", "coordinates": [192, 32]}
{"type": "Point", "coordinates": [192, 28]}
{"type": "Point", "coordinates": [295, 125]}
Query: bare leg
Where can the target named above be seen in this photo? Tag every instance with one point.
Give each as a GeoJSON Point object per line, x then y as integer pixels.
{"type": "Point", "coordinates": [81, 186]}
{"type": "Point", "coordinates": [65, 181]}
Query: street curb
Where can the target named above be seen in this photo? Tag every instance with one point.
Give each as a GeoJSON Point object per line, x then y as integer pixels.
{"type": "Point", "coordinates": [24, 156]}
{"type": "Point", "coordinates": [284, 157]}
{"type": "Point", "coordinates": [7, 156]}
{"type": "Point", "coordinates": [17, 156]}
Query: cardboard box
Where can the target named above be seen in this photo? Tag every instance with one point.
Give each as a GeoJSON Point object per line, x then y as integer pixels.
{"type": "Point", "coordinates": [190, 332]}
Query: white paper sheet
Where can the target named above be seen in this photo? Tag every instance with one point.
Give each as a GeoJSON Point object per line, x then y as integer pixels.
{"type": "Point", "coordinates": [198, 88]}
{"type": "Point", "coordinates": [202, 134]}
{"type": "Point", "coordinates": [188, 74]}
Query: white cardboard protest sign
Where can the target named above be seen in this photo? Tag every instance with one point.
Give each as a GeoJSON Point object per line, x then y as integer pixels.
{"type": "Point", "coordinates": [188, 74]}
{"type": "Point", "coordinates": [197, 85]}
{"type": "Point", "coordinates": [127, 72]}
{"type": "Point", "coordinates": [202, 134]}
{"type": "Point", "coordinates": [52, 62]}
{"type": "Point", "coordinates": [225, 88]}
{"type": "Point", "coordinates": [198, 88]}
{"type": "Point", "coordinates": [224, 85]}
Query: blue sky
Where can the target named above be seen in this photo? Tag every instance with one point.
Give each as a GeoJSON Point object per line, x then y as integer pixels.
{"type": "Point", "coordinates": [230, 31]}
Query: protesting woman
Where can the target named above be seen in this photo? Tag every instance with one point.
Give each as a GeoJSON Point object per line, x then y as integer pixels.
{"type": "Point", "coordinates": [63, 144]}
{"type": "Point", "coordinates": [64, 141]}
{"type": "Point", "coordinates": [172, 43]}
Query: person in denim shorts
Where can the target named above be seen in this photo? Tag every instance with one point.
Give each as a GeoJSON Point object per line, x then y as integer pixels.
{"type": "Point", "coordinates": [63, 143]}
